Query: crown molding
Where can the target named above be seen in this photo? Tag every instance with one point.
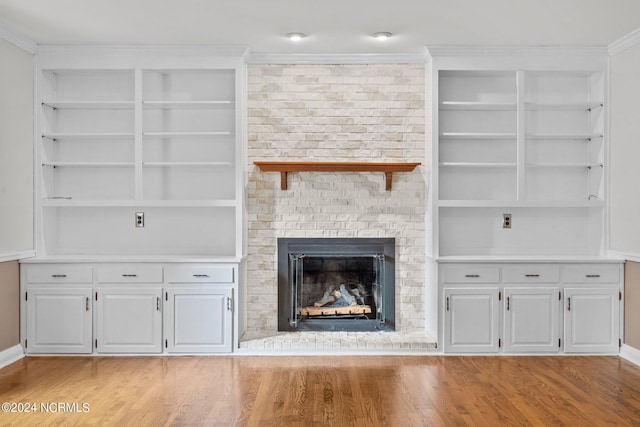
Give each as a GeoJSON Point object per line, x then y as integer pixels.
{"type": "Point", "coordinates": [136, 50]}
{"type": "Point", "coordinates": [123, 56]}
{"type": "Point", "coordinates": [521, 51]}
{"type": "Point", "coordinates": [17, 39]}
{"type": "Point", "coordinates": [630, 40]}
{"type": "Point", "coordinates": [337, 58]}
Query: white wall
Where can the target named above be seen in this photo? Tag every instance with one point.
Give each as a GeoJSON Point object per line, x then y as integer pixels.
{"type": "Point", "coordinates": [625, 152]}
{"type": "Point", "coordinates": [16, 152]}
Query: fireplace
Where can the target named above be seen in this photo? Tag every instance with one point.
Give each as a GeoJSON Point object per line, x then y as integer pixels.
{"type": "Point", "coordinates": [336, 284]}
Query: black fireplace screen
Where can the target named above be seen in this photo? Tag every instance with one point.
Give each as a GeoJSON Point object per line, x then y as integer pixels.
{"type": "Point", "coordinates": [336, 284]}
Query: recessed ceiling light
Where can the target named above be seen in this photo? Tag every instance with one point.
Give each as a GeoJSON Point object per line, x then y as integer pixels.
{"type": "Point", "coordinates": [382, 35]}
{"type": "Point", "coordinates": [296, 37]}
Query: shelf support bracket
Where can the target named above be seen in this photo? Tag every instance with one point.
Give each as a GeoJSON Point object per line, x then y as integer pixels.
{"type": "Point", "coordinates": [388, 180]}
{"type": "Point", "coordinates": [283, 180]}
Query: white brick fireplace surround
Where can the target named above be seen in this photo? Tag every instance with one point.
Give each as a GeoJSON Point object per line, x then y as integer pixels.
{"type": "Point", "coordinates": [364, 112]}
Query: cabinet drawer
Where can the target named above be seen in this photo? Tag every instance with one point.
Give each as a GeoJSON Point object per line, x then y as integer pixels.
{"type": "Point", "coordinates": [125, 273]}
{"type": "Point", "coordinates": [531, 273]}
{"type": "Point", "coordinates": [59, 273]}
{"type": "Point", "coordinates": [205, 274]}
{"type": "Point", "coordinates": [591, 273]}
{"type": "Point", "coordinates": [471, 274]}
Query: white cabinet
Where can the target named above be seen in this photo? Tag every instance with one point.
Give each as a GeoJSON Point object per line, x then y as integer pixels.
{"type": "Point", "coordinates": [531, 320]}
{"type": "Point", "coordinates": [129, 307]}
{"type": "Point", "coordinates": [199, 308]}
{"type": "Point", "coordinates": [472, 320]}
{"type": "Point", "coordinates": [592, 320]}
{"type": "Point", "coordinates": [129, 320]}
{"type": "Point", "coordinates": [158, 132]}
{"type": "Point", "coordinates": [58, 320]}
{"type": "Point", "coordinates": [199, 320]}
{"type": "Point", "coordinates": [531, 307]}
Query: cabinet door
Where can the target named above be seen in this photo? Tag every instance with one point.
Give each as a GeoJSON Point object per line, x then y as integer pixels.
{"type": "Point", "coordinates": [129, 320]}
{"type": "Point", "coordinates": [472, 320]}
{"type": "Point", "coordinates": [591, 320]}
{"type": "Point", "coordinates": [58, 320]}
{"type": "Point", "coordinates": [199, 320]}
{"type": "Point", "coordinates": [531, 319]}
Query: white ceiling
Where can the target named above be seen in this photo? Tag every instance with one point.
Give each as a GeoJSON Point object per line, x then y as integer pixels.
{"type": "Point", "coordinates": [332, 26]}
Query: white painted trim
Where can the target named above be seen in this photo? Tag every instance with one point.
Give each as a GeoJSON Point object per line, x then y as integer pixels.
{"type": "Point", "coordinates": [16, 256]}
{"type": "Point", "coordinates": [339, 58]}
{"type": "Point", "coordinates": [19, 40]}
{"type": "Point", "coordinates": [83, 56]}
{"type": "Point", "coordinates": [628, 256]}
{"type": "Point", "coordinates": [471, 50]}
{"type": "Point", "coordinates": [630, 40]}
{"type": "Point", "coordinates": [133, 50]}
{"type": "Point", "coordinates": [631, 354]}
{"type": "Point", "coordinates": [10, 355]}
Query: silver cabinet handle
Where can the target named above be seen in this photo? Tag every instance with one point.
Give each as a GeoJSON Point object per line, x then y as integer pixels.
{"type": "Point", "coordinates": [129, 275]}
{"type": "Point", "coordinates": [531, 275]}
{"type": "Point", "coordinates": [58, 276]}
{"type": "Point", "coordinates": [592, 276]}
{"type": "Point", "coordinates": [472, 276]}
{"type": "Point", "coordinates": [201, 276]}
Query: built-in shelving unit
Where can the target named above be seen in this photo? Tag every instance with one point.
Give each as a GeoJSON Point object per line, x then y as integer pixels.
{"type": "Point", "coordinates": [510, 140]}
{"type": "Point", "coordinates": [518, 191]}
{"type": "Point", "coordinates": [137, 130]}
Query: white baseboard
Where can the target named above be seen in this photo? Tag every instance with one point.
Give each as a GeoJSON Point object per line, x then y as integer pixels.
{"type": "Point", "coordinates": [10, 355]}
{"type": "Point", "coordinates": [631, 354]}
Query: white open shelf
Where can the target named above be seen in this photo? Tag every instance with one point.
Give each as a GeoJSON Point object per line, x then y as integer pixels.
{"type": "Point", "coordinates": [481, 106]}
{"type": "Point", "coordinates": [163, 141]}
{"type": "Point", "coordinates": [477, 135]}
{"type": "Point", "coordinates": [187, 104]}
{"type": "Point", "coordinates": [529, 144]}
{"type": "Point", "coordinates": [88, 135]}
{"type": "Point", "coordinates": [87, 105]}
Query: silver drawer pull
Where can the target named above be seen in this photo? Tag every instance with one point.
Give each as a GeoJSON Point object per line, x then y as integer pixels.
{"type": "Point", "coordinates": [201, 276]}
{"type": "Point", "coordinates": [531, 275]}
{"type": "Point", "coordinates": [472, 276]}
{"type": "Point", "coordinates": [58, 276]}
{"type": "Point", "coordinates": [129, 275]}
{"type": "Point", "coordinates": [592, 276]}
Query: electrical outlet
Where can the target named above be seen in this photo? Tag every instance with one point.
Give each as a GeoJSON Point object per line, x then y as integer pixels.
{"type": "Point", "coordinates": [506, 220]}
{"type": "Point", "coordinates": [139, 219]}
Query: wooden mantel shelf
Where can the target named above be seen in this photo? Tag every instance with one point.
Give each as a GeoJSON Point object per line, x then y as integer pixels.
{"type": "Point", "coordinates": [286, 167]}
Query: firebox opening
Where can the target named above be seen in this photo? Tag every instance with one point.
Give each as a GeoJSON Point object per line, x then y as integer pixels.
{"type": "Point", "coordinates": [336, 284]}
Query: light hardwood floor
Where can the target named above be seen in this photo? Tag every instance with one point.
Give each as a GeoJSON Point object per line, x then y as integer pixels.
{"type": "Point", "coordinates": [323, 391]}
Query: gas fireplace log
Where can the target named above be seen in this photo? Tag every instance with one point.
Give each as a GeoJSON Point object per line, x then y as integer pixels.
{"type": "Point", "coordinates": [333, 311]}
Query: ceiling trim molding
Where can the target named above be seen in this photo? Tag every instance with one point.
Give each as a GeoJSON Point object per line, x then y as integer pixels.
{"type": "Point", "coordinates": [337, 58]}
{"type": "Point", "coordinates": [472, 50]}
{"type": "Point", "coordinates": [630, 40]}
{"type": "Point", "coordinates": [17, 39]}
{"type": "Point", "coordinates": [136, 50]}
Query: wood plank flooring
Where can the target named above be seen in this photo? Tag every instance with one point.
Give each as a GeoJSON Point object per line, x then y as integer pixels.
{"type": "Point", "coordinates": [322, 391]}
